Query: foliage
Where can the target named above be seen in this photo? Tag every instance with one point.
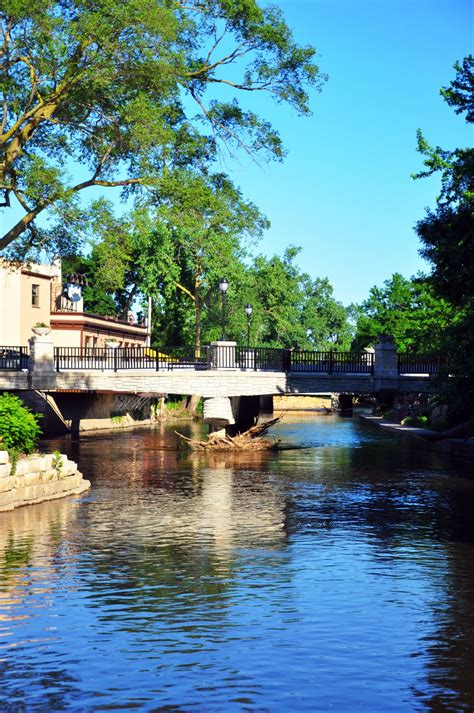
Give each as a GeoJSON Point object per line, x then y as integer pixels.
{"type": "Point", "coordinates": [57, 462]}
{"type": "Point", "coordinates": [460, 93]}
{"type": "Point", "coordinates": [19, 428]}
{"type": "Point", "coordinates": [290, 308]}
{"type": "Point", "coordinates": [447, 236]}
{"type": "Point", "coordinates": [408, 310]}
{"type": "Point", "coordinates": [124, 94]}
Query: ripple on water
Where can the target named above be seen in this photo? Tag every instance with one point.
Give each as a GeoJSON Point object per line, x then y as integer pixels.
{"type": "Point", "coordinates": [338, 577]}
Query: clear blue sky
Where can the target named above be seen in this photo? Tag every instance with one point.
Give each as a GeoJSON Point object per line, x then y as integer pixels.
{"type": "Point", "coordinates": [344, 192]}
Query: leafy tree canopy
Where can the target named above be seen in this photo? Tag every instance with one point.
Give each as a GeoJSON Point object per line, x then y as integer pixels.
{"type": "Point", "coordinates": [447, 236]}
{"type": "Point", "coordinates": [408, 310]}
{"type": "Point", "coordinates": [104, 90]}
{"type": "Point", "coordinates": [291, 309]}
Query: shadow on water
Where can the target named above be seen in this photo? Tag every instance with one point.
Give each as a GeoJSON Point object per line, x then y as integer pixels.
{"type": "Point", "coordinates": [337, 574]}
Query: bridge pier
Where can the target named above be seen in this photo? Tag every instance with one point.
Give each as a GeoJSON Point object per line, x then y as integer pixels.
{"type": "Point", "coordinates": [231, 415]}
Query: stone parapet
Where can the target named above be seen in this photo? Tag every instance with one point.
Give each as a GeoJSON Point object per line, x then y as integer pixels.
{"type": "Point", "coordinates": [37, 478]}
{"type": "Point", "coordinates": [41, 359]}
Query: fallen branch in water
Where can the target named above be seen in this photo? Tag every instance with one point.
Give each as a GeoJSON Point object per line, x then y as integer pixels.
{"type": "Point", "coordinates": [250, 440]}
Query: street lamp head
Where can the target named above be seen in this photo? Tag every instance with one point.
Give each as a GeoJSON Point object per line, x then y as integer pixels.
{"type": "Point", "coordinates": [248, 310]}
{"type": "Point", "coordinates": [223, 285]}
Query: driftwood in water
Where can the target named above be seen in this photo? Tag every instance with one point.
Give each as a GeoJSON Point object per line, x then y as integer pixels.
{"type": "Point", "coordinates": [251, 440]}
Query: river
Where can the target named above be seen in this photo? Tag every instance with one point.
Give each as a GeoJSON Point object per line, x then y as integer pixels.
{"type": "Point", "coordinates": [334, 577]}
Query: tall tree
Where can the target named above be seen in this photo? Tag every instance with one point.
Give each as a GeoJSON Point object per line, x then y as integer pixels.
{"type": "Point", "coordinates": [175, 252]}
{"type": "Point", "coordinates": [408, 310]}
{"type": "Point", "coordinates": [103, 90]}
{"type": "Point", "coordinates": [447, 236]}
{"type": "Point", "coordinates": [291, 308]}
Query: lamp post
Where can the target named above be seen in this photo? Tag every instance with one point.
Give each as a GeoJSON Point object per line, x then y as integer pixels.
{"type": "Point", "coordinates": [223, 285]}
{"type": "Point", "coordinates": [248, 312]}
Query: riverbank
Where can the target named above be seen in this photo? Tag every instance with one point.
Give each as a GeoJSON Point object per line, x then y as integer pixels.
{"type": "Point", "coordinates": [36, 478]}
{"type": "Point", "coordinates": [459, 447]}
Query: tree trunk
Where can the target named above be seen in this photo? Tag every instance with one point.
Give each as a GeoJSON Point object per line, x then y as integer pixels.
{"type": "Point", "coordinates": [197, 325]}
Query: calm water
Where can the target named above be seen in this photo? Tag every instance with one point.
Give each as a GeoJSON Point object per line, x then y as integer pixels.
{"type": "Point", "coordinates": [338, 577]}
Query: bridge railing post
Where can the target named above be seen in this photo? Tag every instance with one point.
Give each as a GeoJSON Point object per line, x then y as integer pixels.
{"type": "Point", "coordinates": [41, 359]}
{"type": "Point", "coordinates": [386, 364]}
{"type": "Point", "coordinates": [224, 355]}
{"type": "Point", "coordinates": [330, 363]}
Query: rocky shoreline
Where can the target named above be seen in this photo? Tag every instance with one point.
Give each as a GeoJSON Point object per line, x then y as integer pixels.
{"type": "Point", "coordinates": [36, 478]}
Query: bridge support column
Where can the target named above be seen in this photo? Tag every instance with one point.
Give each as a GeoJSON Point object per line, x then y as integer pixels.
{"type": "Point", "coordinates": [217, 412]}
{"type": "Point", "coordinates": [41, 359]}
{"type": "Point", "coordinates": [246, 410]}
{"type": "Point", "coordinates": [346, 403]}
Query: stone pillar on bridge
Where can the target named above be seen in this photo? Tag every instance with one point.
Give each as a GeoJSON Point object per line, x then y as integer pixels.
{"type": "Point", "coordinates": [223, 355]}
{"type": "Point", "coordinates": [386, 365]}
{"type": "Point", "coordinates": [41, 359]}
{"type": "Point", "coordinates": [217, 412]}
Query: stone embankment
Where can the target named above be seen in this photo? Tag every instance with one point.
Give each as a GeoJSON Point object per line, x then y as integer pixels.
{"type": "Point", "coordinates": [460, 447]}
{"type": "Point", "coordinates": [36, 478]}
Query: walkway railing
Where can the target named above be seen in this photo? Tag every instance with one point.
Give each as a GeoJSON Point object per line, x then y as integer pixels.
{"type": "Point", "coordinates": [116, 359]}
{"type": "Point", "coordinates": [221, 357]}
{"type": "Point", "coordinates": [212, 357]}
{"type": "Point", "coordinates": [13, 358]}
{"type": "Point", "coordinates": [422, 363]}
{"type": "Point", "coordinates": [332, 362]}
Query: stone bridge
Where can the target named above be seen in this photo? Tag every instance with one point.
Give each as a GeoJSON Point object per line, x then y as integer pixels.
{"type": "Point", "coordinates": [229, 380]}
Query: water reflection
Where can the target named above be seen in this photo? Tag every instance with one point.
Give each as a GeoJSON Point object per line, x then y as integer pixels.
{"type": "Point", "coordinates": [340, 576]}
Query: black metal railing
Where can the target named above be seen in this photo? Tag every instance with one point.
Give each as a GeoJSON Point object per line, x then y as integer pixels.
{"type": "Point", "coordinates": [222, 357]}
{"type": "Point", "coordinates": [422, 363]}
{"type": "Point", "coordinates": [213, 357]}
{"type": "Point", "coordinates": [332, 362]}
{"type": "Point", "coordinates": [13, 358]}
{"type": "Point", "coordinates": [118, 358]}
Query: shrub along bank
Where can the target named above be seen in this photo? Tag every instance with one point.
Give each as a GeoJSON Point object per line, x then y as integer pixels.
{"type": "Point", "coordinates": [27, 477]}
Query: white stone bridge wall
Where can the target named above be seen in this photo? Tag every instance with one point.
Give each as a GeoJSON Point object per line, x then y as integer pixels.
{"type": "Point", "coordinates": [210, 384]}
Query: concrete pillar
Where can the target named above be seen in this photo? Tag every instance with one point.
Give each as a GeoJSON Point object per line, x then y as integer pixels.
{"type": "Point", "coordinates": [217, 412]}
{"type": "Point", "coordinates": [246, 410]}
{"type": "Point", "coordinates": [346, 403]}
{"type": "Point", "coordinates": [41, 359]}
{"type": "Point", "coordinates": [223, 355]}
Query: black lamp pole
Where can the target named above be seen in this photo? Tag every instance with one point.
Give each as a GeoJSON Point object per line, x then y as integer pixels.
{"type": "Point", "coordinates": [248, 312]}
{"type": "Point", "coordinates": [223, 285]}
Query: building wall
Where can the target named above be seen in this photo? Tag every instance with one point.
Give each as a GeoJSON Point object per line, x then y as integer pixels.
{"type": "Point", "coordinates": [10, 308]}
{"type": "Point", "coordinates": [31, 314]}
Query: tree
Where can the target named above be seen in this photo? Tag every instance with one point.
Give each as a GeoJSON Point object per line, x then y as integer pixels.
{"type": "Point", "coordinates": [406, 309]}
{"type": "Point", "coordinates": [447, 236]}
{"type": "Point", "coordinates": [291, 309]}
{"type": "Point", "coordinates": [103, 90]}
{"type": "Point", "coordinates": [174, 251]}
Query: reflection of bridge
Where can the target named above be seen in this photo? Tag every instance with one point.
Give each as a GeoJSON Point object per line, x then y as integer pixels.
{"type": "Point", "coordinates": [221, 371]}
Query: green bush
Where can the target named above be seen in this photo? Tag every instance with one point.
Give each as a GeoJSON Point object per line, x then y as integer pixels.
{"type": "Point", "coordinates": [418, 421]}
{"type": "Point", "coordinates": [19, 428]}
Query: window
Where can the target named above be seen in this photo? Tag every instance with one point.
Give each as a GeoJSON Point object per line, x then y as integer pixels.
{"type": "Point", "coordinates": [35, 295]}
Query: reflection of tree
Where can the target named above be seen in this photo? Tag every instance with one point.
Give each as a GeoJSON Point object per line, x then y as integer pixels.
{"type": "Point", "coordinates": [178, 522]}
{"type": "Point", "coordinates": [415, 512]}
{"type": "Point", "coordinates": [31, 540]}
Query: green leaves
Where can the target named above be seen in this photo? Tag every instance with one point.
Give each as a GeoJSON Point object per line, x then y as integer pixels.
{"type": "Point", "coordinates": [19, 429]}
{"type": "Point", "coordinates": [409, 310]}
{"type": "Point", "coordinates": [108, 86]}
